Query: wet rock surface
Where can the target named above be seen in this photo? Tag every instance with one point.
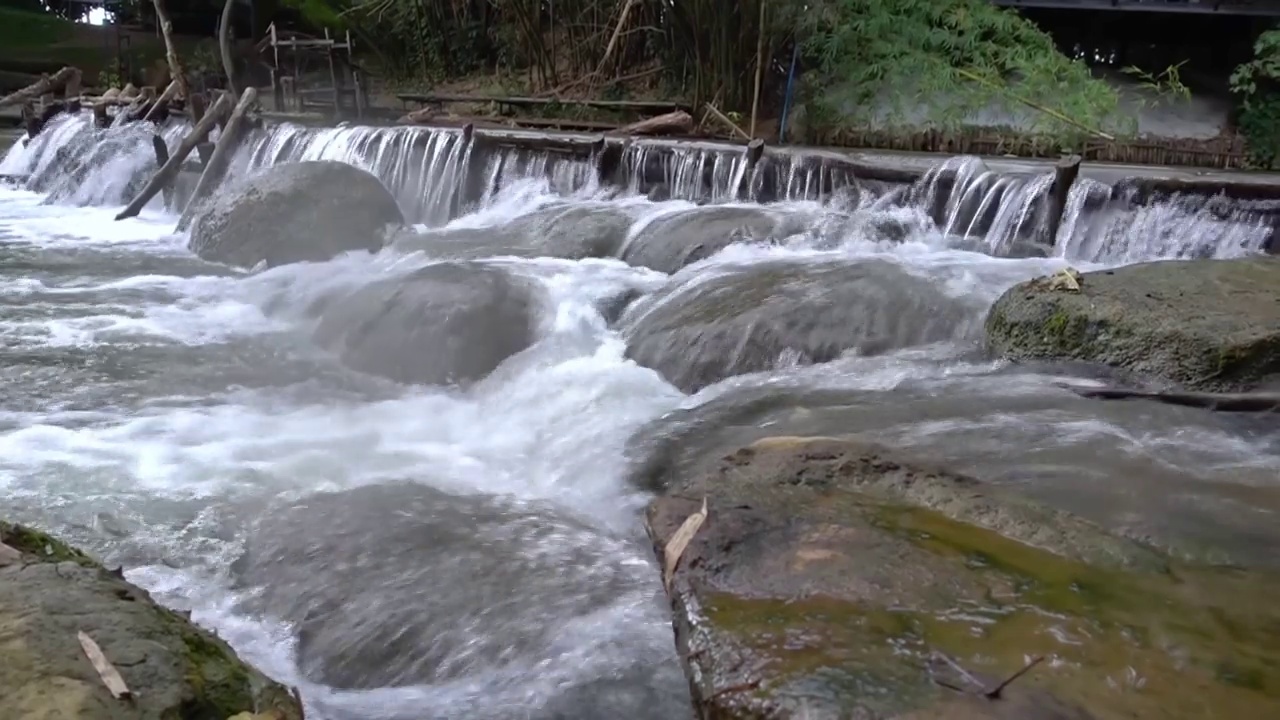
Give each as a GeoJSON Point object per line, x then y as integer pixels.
{"type": "Point", "coordinates": [764, 316]}
{"type": "Point", "coordinates": [444, 324]}
{"type": "Point", "coordinates": [682, 238]}
{"type": "Point", "coordinates": [835, 579]}
{"type": "Point", "coordinates": [571, 232]}
{"type": "Point", "coordinates": [1204, 324]}
{"type": "Point", "coordinates": [49, 592]}
{"type": "Point", "coordinates": [296, 212]}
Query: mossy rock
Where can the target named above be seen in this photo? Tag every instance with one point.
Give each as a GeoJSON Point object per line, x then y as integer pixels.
{"type": "Point", "coordinates": [832, 579]}
{"type": "Point", "coordinates": [1201, 324]}
{"type": "Point", "coordinates": [174, 670]}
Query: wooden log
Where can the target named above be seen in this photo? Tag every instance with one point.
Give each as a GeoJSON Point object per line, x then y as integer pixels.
{"type": "Point", "coordinates": [1064, 176]}
{"type": "Point", "coordinates": [166, 174]}
{"type": "Point", "coordinates": [166, 97]}
{"type": "Point", "coordinates": [45, 86]}
{"type": "Point", "coordinates": [216, 166]}
{"type": "Point", "coordinates": [176, 71]}
{"type": "Point", "coordinates": [668, 124]}
{"type": "Point", "coordinates": [1222, 402]}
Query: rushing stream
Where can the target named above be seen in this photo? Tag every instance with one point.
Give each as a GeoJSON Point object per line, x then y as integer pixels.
{"type": "Point", "coordinates": [416, 552]}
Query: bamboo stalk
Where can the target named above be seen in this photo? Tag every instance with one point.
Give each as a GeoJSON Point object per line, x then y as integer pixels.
{"type": "Point", "coordinates": [1034, 105]}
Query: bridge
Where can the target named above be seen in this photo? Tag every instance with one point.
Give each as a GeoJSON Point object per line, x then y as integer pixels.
{"type": "Point", "coordinates": [1256, 8]}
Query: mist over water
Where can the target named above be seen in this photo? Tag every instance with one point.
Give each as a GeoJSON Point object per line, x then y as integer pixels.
{"type": "Point", "coordinates": [422, 552]}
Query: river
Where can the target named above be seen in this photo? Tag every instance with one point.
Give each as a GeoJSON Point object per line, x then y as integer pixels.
{"type": "Point", "coordinates": [416, 552]}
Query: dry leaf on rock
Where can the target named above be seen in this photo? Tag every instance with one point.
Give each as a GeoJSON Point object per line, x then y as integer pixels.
{"type": "Point", "coordinates": [679, 541]}
{"type": "Point", "coordinates": [110, 676]}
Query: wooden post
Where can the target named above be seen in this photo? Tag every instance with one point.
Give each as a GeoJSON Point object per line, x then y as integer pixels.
{"type": "Point", "coordinates": [166, 174]}
{"type": "Point", "coordinates": [1064, 176]}
{"type": "Point", "coordinates": [175, 63]}
{"type": "Point", "coordinates": [216, 166]}
{"type": "Point", "coordinates": [755, 96]}
{"type": "Point", "coordinates": [162, 157]}
{"type": "Point", "coordinates": [333, 76]}
{"type": "Point", "coordinates": [44, 86]}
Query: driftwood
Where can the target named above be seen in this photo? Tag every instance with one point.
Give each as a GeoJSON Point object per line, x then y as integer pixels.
{"type": "Point", "coordinates": [668, 124]}
{"type": "Point", "coordinates": [1222, 402]}
{"type": "Point", "coordinates": [45, 86]}
{"type": "Point", "coordinates": [216, 166]}
{"type": "Point", "coordinates": [166, 174]}
{"type": "Point", "coordinates": [106, 671]}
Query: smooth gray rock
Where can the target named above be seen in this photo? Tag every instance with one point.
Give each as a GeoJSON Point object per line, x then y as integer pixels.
{"type": "Point", "coordinates": [296, 212]}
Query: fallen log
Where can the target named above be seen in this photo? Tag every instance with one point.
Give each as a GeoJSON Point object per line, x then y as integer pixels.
{"type": "Point", "coordinates": [216, 166]}
{"type": "Point", "coordinates": [671, 123]}
{"type": "Point", "coordinates": [45, 86]}
{"type": "Point", "coordinates": [1222, 402]}
{"type": "Point", "coordinates": [166, 174]}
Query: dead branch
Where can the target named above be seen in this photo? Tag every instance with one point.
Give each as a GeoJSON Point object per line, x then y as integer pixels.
{"type": "Point", "coordinates": [166, 174]}
{"type": "Point", "coordinates": [44, 86]}
{"type": "Point", "coordinates": [217, 164]}
{"type": "Point", "coordinates": [667, 124]}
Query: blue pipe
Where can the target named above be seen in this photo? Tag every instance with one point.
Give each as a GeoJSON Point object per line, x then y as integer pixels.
{"type": "Point", "coordinates": [786, 101]}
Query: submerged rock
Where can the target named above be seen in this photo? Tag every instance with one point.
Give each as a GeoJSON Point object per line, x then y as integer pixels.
{"type": "Point", "coordinates": [296, 212]}
{"type": "Point", "coordinates": [51, 592]}
{"type": "Point", "coordinates": [673, 241]}
{"type": "Point", "coordinates": [833, 579]}
{"type": "Point", "coordinates": [1203, 324]}
{"type": "Point", "coordinates": [450, 323]}
{"type": "Point", "coordinates": [762, 316]}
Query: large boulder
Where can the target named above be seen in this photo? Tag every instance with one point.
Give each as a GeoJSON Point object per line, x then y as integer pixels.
{"type": "Point", "coordinates": [403, 585]}
{"type": "Point", "coordinates": [761, 316]}
{"type": "Point", "coordinates": [1202, 324]}
{"type": "Point", "coordinates": [296, 212]}
{"type": "Point", "coordinates": [836, 579]}
{"type": "Point", "coordinates": [682, 238]}
{"type": "Point", "coordinates": [572, 231]}
{"type": "Point", "coordinates": [444, 324]}
{"type": "Point", "coordinates": [50, 592]}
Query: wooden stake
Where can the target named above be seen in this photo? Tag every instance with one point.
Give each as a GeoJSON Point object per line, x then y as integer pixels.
{"type": "Point", "coordinates": [217, 164]}
{"type": "Point", "coordinates": [171, 52]}
{"type": "Point", "coordinates": [44, 86]}
{"type": "Point", "coordinates": [166, 97]}
{"type": "Point", "coordinates": [755, 96]}
{"type": "Point", "coordinates": [166, 174]}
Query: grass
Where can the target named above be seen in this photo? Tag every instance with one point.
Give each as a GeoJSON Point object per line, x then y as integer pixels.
{"type": "Point", "coordinates": [23, 29]}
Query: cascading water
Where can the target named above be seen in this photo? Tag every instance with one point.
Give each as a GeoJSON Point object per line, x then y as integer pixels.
{"type": "Point", "coordinates": [418, 552]}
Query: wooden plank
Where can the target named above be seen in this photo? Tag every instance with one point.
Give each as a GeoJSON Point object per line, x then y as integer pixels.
{"type": "Point", "coordinates": [642, 105]}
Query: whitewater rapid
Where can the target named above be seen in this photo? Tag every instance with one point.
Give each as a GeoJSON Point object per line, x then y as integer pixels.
{"type": "Point", "coordinates": [416, 552]}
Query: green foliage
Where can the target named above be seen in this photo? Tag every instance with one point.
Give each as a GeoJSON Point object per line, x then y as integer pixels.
{"type": "Point", "coordinates": [21, 28]}
{"type": "Point", "coordinates": [879, 58]}
{"type": "Point", "coordinates": [1165, 86]}
{"type": "Point", "coordinates": [1258, 84]}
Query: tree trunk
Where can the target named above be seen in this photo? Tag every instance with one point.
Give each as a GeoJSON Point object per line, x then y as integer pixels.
{"type": "Point", "coordinates": [45, 86]}
{"type": "Point", "coordinates": [216, 167]}
{"type": "Point", "coordinates": [224, 45]}
{"type": "Point", "coordinates": [165, 175]}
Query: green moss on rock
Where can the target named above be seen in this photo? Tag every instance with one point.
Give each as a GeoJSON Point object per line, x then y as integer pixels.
{"type": "Point", "coordinates": [1203, 324]}
{"type": "Point", "coordinates": [41, 545]}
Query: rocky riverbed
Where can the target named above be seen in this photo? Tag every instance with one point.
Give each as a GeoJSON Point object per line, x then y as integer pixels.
{"type": "Point", "coordinates": [491, 467]}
